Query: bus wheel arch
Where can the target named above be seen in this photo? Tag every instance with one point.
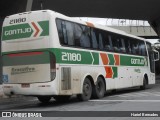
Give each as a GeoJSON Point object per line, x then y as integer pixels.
{"type": "Point", "coordinates": [99, 88]}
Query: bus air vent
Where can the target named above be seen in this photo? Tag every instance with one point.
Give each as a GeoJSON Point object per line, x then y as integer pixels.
{"type": "Point", "coordinates": [65, 78]}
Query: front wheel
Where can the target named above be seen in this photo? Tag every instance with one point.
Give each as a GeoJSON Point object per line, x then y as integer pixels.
{"type": "Point", "coordinates": [44, 99]}
{"type": "Point", "coordinates": [143, 87]}
{"type": "Point", "coordinates": [86, 91]}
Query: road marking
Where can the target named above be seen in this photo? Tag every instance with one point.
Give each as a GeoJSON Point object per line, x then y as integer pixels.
{"type": "Point", "coordinates": [134, 95]}
{"type": "Point", "coordinates": [124, 100]}
{"type": "Point", "coordinates": [152, 93]}
{"type": "Point", "coordinates": [130, 95]}
{"type": "Point", "coordinates": [140, 94]}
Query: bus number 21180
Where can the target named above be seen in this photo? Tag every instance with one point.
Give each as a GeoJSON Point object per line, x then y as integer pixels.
{"type": "Point", "coordinates": [71, 56]}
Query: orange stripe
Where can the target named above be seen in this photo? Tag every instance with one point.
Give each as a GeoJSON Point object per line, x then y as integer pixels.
{"type": "Point", "coordinates": [105, 59]}
{"type": "Point", "coordinates": [89, 24]}
{"type": "Point", "coordinates": [109, 72]}
{"type": "Point", "coordinates": [116, 57]}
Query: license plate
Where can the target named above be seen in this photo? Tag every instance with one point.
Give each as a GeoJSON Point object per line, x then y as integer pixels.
{"type": "Point", "coordinates": [26, 85]}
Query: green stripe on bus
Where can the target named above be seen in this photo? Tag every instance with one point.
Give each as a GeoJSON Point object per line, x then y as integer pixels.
{"type": "Point", "coordinates": [111, 59]}
{"type": "Point", "coordinates": [45, 27]}
{"type": "Point", "coordinates": [72, 56]}
{"type": "Point", "coordinates": [96, 58]}
{"type": "Point", "coordinates": [115, 72]}
{"type": "Point", "coordinates": [66, 56]}
{"type": "Point", "coordinates": [132, 61]}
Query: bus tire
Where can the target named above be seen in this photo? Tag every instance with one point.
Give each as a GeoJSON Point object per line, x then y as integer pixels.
{"type": "Point", "coordinates": [143, 87]}
{"type": "Point", "coordinates": [44, 99]}
{"type": "Point", "coordinates": [86, 91]}
{"type": "Point", "coordinates": [62, 98]}
{"type": "Point", "coordinates": [99, 88]}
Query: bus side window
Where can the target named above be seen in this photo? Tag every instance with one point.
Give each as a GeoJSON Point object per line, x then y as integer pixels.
{"type": "Point", "coordinates": [107, 40]}
{"type": "Point", "coordinates": [100, 41]}
{"type": "Point", "coordinates": [115, 42]}
{"type": "Point", "coordinates": [60, 31]}
{"type": "Point", "coordinates": [94, 39]}
{"type": "Point", "coordinates": [110, 42]}
{"type": "Point", "coordinates": [134, 46]}
{"type": "Point", "coordinates": [69, 33]}
{"type": "Point", "coordinates": [85, 38]}
{"type": "Point", "coordinates": [77, 34]}
{"type": "Point", "coordinates": [64, 30]}
{"type": "Point", "coordinates": [122, 46]}
{"type": "Point", "coordinates": [127, 46]}
{"type": "Point", "coordinates": [142, 49]}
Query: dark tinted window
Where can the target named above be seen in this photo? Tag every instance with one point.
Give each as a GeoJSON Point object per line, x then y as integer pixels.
{"type": "Point", "coordinates": [122, 46]}
{"type": "Point", "coordinates": [142, 48]}
{"type": "Point", "coordinates": [60, 31]}
{"type": "Point", "coordinates": [78, 35]}
{"type": "Point", "coordinates": [127, 45]}
{"type": "Point", "coordinates": [107, 42]}
{"type": "Point", "coordinates": [116, 43]}
{"type": "Point", "coordinates": [134, 46]}
{"type": "Point", "coordinates": [83, 35]}
{"type": "Point", "coordinates": [94, 41]}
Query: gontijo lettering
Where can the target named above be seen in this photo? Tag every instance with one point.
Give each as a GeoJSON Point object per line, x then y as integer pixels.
{"type": "Point", "coordinates": [18, 31]}
{"type": "Point", "coordinates": [137, 61]}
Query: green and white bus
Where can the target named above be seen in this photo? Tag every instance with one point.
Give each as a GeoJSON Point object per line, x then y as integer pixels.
{"type": "Point", "coordinates": [46, 54]}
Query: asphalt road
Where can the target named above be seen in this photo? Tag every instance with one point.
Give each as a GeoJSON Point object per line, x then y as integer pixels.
{"type": "Point", "coordinates": [132, 99]}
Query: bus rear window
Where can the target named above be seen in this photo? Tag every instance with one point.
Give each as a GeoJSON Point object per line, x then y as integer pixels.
{"type": "Point", "coordinates": [26, 58]}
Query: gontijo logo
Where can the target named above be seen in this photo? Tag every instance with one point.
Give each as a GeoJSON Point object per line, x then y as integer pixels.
{"type": "Point", "coordinates": [26, 30]}
{"type": "Point", "coordinates": [137, 61]}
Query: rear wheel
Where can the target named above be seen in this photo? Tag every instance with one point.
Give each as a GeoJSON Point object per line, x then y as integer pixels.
{"type": "Point", "coordinates": [99, 89]}
{"type": "Point", "coordinates": [86, 91]}
{"type": "Point", "coordinates": [44, 99]}
{"type": "Point", "coordinates": [143, 87]}
{"type": "Point", "coordinates": [62, 98]}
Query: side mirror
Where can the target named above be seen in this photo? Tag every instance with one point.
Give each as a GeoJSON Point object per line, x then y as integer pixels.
{"type": "Point", "coordinates": [156, 55]}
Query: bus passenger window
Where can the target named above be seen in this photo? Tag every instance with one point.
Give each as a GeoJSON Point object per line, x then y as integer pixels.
{"type": "Point", "coordinates": [100, 42]}
{"type": "Point", "coordinates": [60, 26]}
{"type": "Point", "coordinates": [122, 46]}
{"type": "Point", "coordinates": [142, 48]}
{"type": "Point", "coordinates": [77, 34]}
{"type": "Point", "coordinates": [116, 43]}
{"type": "Point", "coordinates": [127, 46]}
{"type": "Point", "coordinates": [134, 46]}
{"type": "Point", "coordinates": [85, 39]}
{"type": "Point", "coordinates": [64, 33]}
{"type": "Point", "coordinates": [107, 42]}
{"type": "Point", "coordinates": [110, 42]}
{"type": "Point", "coordinates": [94, 39]}
{"type": "Point", "coordinates": [69, 33]}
